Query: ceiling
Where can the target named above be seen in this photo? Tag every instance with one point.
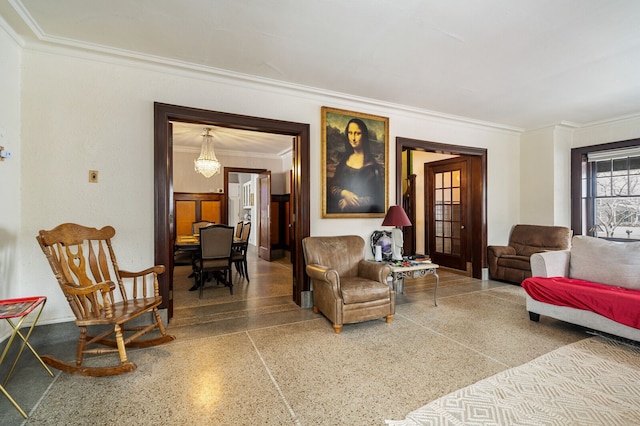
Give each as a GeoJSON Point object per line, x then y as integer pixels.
{"type": "Point", "coordinates": [523, 64]}
{"type": "Point", "coordinates": [188, 137]}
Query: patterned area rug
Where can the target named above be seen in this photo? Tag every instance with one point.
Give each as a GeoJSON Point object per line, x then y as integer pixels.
{"type": "Point", "coordinates": [595, 381]}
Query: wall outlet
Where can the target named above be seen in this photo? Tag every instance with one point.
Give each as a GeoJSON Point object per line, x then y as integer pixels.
{"type": "Point", "coordinates": [93, 176]}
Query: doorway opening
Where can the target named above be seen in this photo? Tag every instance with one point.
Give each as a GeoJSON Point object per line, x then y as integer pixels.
{"type": "Point", "coordinates": [261, 278]}
{"type": "Point", "coordinates": [164, 115]}
{"type": "Point", "coordinates": [475, 226]}
{"type": "Point", "coordinates": [240, 185]}
{"type": "Point", "coordinates": [253, 198]}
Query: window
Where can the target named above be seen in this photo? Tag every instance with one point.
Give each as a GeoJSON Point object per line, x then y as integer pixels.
{"type": "Point", "coordinates": [609, 190]}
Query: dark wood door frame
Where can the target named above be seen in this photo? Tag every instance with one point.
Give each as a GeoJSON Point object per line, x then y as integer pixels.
{"type": "Point", "coordinates": [163, 184]}
{"type": "Point", "coordinates": [477, 235]}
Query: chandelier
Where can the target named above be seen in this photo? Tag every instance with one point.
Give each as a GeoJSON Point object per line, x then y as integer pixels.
{"type": "Point", "coordinates": [207, 164]}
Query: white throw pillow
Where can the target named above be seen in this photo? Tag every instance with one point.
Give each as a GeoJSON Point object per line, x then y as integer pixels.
{"type": "Point", "coordinates": [605, 262]}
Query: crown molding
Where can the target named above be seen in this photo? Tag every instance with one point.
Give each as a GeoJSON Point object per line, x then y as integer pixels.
{"type": "Point", "coordinates": [86, 50]}
{"type": "Point", "coordinates": [614, 120]}
{"type": "Point", "coordinates": [11, 32]}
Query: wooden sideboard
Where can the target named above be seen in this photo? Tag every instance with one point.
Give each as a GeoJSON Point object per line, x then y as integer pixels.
{"type": "Point", "coordinates": [189, 207]}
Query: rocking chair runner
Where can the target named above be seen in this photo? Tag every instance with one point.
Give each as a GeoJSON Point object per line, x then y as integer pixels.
{"type": "Point", "coordinates": [83, 261]}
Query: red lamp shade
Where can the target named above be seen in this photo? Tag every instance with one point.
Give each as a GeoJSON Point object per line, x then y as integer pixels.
{"type": "Point", "coordinates": [396, 217]}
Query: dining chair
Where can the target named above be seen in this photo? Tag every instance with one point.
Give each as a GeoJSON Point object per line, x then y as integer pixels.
{"type": "Point", "coordinates": [215, 255]}
{"type": "Point", "coordinates": [196, 226]}
{"type": "Point", "coordinates": [240, 248]}
{"type": "Point", "coordinates": [238, 235]}
{"type": "Point", "coordinates": [195, 230]}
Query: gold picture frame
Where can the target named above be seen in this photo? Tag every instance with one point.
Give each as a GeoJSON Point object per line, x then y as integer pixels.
{"type": "Point", "coordinates": [355, 174]}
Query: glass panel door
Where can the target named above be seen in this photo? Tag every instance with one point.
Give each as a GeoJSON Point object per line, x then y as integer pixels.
{"type": "Point", "coordinates": [448, 217]}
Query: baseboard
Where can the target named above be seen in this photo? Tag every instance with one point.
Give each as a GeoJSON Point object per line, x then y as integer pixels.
{"type": "Point", "coordinates": [485, 274]}
{"type": "Point", "coordinates": [306, 300]}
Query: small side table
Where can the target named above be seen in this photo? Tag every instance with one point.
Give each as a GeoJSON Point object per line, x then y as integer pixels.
{"type": "Point", "coordinates": [20, 308]}
{"type": "Point", "coordinates": [398, 273]}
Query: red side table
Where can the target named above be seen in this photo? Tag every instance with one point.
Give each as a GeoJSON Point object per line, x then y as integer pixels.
{"type": "Point", "coordinates": [20, 308]}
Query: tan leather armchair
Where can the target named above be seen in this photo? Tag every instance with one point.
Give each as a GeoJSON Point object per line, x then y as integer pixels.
{"type": "Point", "coordinates": [511, 263]}
{"type": "Point", "coordinates": [347, 288]}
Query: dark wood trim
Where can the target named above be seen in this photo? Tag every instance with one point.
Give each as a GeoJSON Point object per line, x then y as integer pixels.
{"type": "Point", "coordinates": [478, 220]}
{"type": "Point", "coordinates": [163, 183]}
{"type": "Point", "coordinates": [201, 196]}
{"type": "Point", "coordinates": [577, 224]}
{"type": "Point", "coordinates": [578, 155]}
{"type": "Point", "coordinates": [477, 237]}
{"type": "Point", "coordinates": [409, 205]}
{"type": "Point", "coordinates": [163, 204]}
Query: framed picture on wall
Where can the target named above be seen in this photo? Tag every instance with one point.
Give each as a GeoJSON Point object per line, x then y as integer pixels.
{"type": "Point", "coordinates": [355, 164]}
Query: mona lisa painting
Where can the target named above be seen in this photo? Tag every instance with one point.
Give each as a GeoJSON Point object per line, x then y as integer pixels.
{"type": "Point", "coordinates": [355, 151]}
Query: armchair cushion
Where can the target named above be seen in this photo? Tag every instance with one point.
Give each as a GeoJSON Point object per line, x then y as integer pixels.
{"type": "Point", "coordinates": [358, 290]}
{"type": "Point", "coordinates": [515, 262]}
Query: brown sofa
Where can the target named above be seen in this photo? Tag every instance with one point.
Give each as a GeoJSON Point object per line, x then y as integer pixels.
{"type": "Point", "coordinates": [511, 263]}
{"type": "Point", "coordinates": [347, 288]}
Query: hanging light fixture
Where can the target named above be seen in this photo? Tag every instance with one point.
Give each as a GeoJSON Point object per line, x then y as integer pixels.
{"type": "Point", "coordinates": [207, 164]}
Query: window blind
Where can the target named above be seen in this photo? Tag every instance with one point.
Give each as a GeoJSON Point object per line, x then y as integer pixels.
{"type": "Point", "coordinates": [612, 154]}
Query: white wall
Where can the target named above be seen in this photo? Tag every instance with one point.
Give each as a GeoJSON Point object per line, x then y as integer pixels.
{"type": "Point", "coordinates": [562, 176]}
{"type": "Point", "coordinates": [537, 182]}
{"type": "Point", "coordinates": [546, 176]}
{"type": "Point", "coordinates": [10, 182]}
{"type": "Point", "coordinates": [287, 162]}
{"type": "Point", "coordinates": [83, 112]}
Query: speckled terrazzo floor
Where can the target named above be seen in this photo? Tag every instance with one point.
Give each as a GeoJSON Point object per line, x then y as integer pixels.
{"type": "Point", "coordinates": [260, 360]}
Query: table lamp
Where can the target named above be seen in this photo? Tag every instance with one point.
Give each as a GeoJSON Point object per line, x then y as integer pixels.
{"type": "Point", "coordinates": [398, 218]}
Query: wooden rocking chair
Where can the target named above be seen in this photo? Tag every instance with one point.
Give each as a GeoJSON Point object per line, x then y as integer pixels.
{"type": "Point", "coordinates": [85, 266]}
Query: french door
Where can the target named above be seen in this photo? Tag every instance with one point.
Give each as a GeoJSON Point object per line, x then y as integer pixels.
{"type": "Point", "coordinates": [447, 211]}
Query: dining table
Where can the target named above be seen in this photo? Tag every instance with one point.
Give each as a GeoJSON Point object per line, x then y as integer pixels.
{"type": "Point", "coordinates": [187, 243]}
{"type": "Point", "coordinates": [192, 243]}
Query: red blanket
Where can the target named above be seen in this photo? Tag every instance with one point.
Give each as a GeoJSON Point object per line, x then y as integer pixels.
{"type": "Point", "coordinates": [619, 304]}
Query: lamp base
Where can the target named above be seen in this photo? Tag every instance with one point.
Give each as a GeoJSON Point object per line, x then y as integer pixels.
{"type": "Point", "coordinates": [398, 243]}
